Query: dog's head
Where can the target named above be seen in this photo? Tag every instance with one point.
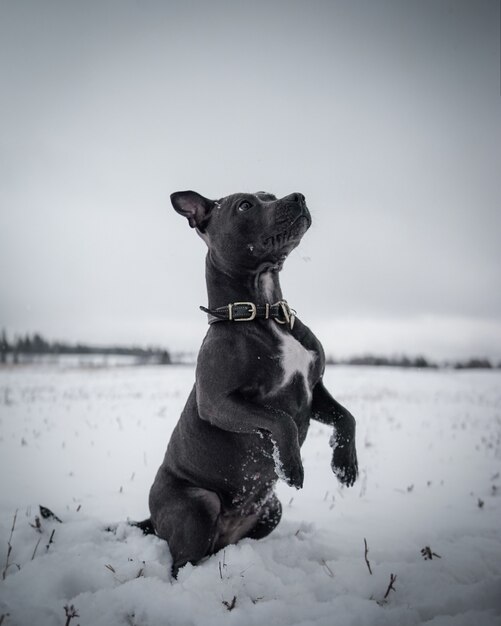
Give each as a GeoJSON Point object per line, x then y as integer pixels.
{"type": "Point", "coordinates": [245, 230]}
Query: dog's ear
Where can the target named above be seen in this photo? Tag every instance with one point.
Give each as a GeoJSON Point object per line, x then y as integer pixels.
{"type": "Point", "coordinates": [194, 207]}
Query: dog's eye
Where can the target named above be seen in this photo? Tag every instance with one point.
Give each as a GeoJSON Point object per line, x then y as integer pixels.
{"type": "Point", "coordinates": [245, 205]}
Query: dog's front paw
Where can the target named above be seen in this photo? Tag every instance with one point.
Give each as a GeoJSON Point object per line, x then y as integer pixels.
{"type": "Point", "coordinates": [344, 461]}
{"type": "Point", "coordinates": [290, 469]}
{"type": "Point", "coordinates": [294, 475]}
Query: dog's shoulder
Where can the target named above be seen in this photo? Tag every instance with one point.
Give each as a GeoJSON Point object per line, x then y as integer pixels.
{"type": "Point", "coordinates": [227, 349]}
{"type": "Point", "coordinates": [237, 352]}
{"type": "Point", "coordinates": [222, 338]}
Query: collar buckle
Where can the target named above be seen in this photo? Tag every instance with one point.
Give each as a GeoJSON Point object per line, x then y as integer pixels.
{"type": "Point", "coordinates": [234, 316]}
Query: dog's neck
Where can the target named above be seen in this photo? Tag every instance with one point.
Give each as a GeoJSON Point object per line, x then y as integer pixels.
{"type": "Point", "coordinates": [259, 287]}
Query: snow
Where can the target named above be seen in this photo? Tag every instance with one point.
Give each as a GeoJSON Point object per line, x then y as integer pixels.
{"type": "Point", "coordinates": [279, 468]}
{"type": "Point", "coordinates": [86, 443]}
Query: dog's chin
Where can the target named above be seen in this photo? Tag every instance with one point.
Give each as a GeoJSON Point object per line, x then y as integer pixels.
{"type": "Point", "coordinates": [303, 217]}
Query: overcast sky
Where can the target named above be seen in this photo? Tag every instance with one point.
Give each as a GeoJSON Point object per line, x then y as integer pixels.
{"type": "Point", "coordinates": [386, 114]}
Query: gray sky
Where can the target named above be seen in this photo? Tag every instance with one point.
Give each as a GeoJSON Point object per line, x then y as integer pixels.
{"type": "Point", "coordinates": [385, 114]}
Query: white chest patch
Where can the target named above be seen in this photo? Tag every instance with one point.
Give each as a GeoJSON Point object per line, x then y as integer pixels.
{"type": "Point", "coordinates": [294, 359]}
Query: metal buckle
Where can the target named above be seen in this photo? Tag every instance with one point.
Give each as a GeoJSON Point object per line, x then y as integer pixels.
{"type": "Point", "coordinates": [252, 307]}
{"type": "Point", "coordinates": [289, 314]}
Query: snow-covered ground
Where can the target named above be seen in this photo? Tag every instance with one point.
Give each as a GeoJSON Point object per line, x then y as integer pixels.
{"type": "Point", "coordinates": [86, 443]}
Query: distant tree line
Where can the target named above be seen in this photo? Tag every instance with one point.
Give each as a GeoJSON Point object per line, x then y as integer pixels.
{"type": "Point", "coordinates": [401, 361]}
{"type": "Point", "coordinates": [419, 361]}
{"type": "Point", "coordinates": [35, 344]}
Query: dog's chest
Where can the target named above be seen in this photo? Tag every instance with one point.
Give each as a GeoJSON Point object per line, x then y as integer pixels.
{"type": "Point", "coordinates": [294, 360]}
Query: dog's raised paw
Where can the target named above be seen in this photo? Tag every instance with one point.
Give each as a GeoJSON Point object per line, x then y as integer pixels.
{"type": "Point", "coordinates": [344, 465]}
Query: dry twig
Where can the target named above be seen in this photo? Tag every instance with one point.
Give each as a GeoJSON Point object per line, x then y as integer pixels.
{"type": "Point", "coordinates": [222, 565]}
{"type": "Point", "coordinates": [230, 605]}
{"type": "Point", "coordinates": [70, 612]}
{"type": "Point", "coordinates": [393, 578]}
{"type": "Point", "coordinates": [329, 571]}
{"type": "Point", "coordinates": [9, 549]}
{"type": "Point", "coordinates": [366, 559]}
{"type": "Point", "coordinates": [428, 555]}
{"type": "Point", "coordinates": [36, 548]}
{"type": "Point", "coordinates": [51, 539]}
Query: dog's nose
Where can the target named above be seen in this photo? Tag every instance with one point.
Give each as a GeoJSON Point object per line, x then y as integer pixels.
{"type": "Point", "coordinates": [298, 198]}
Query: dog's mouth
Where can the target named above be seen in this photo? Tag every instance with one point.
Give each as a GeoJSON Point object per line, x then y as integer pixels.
{"type": "Point", "coordinates": [290, 236]}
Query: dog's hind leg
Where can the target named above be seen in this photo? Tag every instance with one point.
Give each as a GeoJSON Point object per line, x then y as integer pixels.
{"type": "Point", "coordinates": [186, 517]}
{"type": "Point", "coordinates": [269, 517]}
{"type": "Point", "coordinates": [146, 526]}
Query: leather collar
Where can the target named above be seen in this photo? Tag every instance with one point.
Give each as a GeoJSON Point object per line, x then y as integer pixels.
{"type": "Point", "coordinates": [280, 312]}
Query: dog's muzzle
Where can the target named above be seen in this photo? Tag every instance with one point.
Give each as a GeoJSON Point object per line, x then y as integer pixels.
{"type": "Point", "coordinates": [291, 209]}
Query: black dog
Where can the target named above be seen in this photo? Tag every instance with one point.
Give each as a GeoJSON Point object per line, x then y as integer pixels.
{"type": "Point", "coordinates": [258, 384]}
